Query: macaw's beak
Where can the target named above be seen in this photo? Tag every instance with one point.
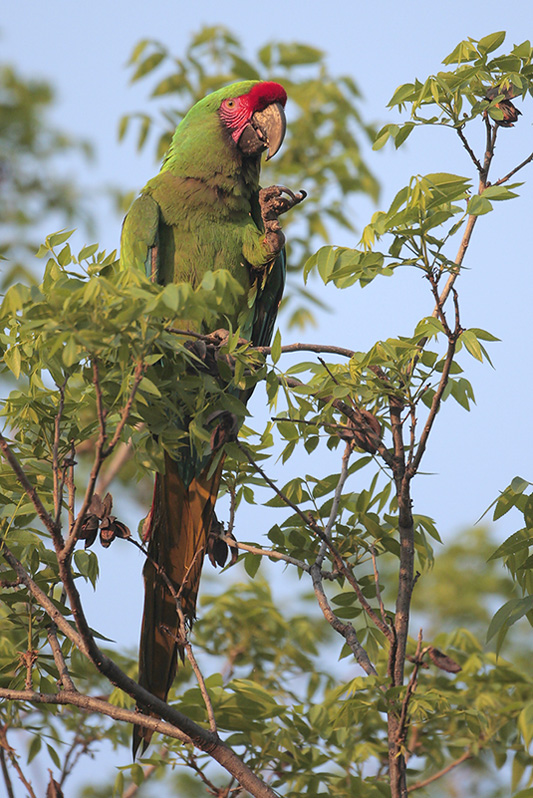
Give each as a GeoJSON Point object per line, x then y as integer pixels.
{"type": "Point", "coordinates": [266, 130]}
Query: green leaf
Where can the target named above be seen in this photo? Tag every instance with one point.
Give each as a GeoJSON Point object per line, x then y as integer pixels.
{"type": "Point", "coordinates": [150, 63]}
{"type": "Point", "coordinates": [510, 613]}
{"type": "Point", "coordinates": [478, 205]}
{"type": "Point", "coordinates": [54, 756]}
{"type": "Point", "coordinates": [491, 42]}
{"type": "Point", "coordinates": [381, 138]}
{"type": "Point", "coordinates": [35, 747]}
{"type": "Point", "coordinates": [118, 787]}
{"type": "Point", "coordinates": [515, 543]}
{"type": "Point", "coordinates": [65, 256]}
{"type": "Point", "coordinates": [275, 352]}
{"type": "Point", "coordinates": [470, 341]}
{"type": "Point", "coordinates": [525, 724]}
{"type": "Point", "coordinates": [402, 94]}
{"type": "Point", "coordinates": [87, 252]}
{"type": "Point", "coordinates": [59, 238]}
{"type": "Point", "coordinates": [147, 386]}
{"type": "Point", "coordinates": [13, 360]}
{"type": "Point", "coordinates": [251, 564]}
{"type": "Point", "coordinates": [71, 352]}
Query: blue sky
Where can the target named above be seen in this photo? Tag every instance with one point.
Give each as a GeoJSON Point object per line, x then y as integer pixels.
{"type": "Point", "coordinates": [82, 48]}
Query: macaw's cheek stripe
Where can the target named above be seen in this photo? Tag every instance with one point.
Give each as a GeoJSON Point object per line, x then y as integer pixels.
{"type": "Point", "coordinates": [235, 114]}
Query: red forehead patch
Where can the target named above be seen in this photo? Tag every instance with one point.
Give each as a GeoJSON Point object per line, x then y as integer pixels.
{"type": "Point", "coordinates": [265, 93]}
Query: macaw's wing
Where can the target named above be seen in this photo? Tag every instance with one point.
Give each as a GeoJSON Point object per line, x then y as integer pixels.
{"type": "Point", "coordinates": [139, 244]}
{"type": "Point", "coordinates": [269, 290]}
{"type": "Point", "coordinates": [267, 302]}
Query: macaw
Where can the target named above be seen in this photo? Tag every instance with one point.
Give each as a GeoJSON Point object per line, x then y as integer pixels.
{"type": "Point", "coordinates": [204, 211]}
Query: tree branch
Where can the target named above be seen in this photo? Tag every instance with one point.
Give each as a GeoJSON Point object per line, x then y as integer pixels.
{"type": "Point", "coordinates": [420, 784]}
{"type": "Point", "coordinates": [43, 514]}
{"type": "Point", "coordinates": [345, 629]}
{"type": "Point", "coordinates": [14, 760]}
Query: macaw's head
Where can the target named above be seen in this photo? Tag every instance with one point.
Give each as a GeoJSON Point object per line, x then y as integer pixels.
{"type": "Point", "coordinates": [253, 114]}
{"type": "Point", "coordinates": [237, 122]}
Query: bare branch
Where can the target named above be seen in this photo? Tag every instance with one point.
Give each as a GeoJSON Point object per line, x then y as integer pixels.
{"type": "Point", "coordinates": [61, 665]}
{"type": "Point", "coordinates": [14, 760]}
{"type": "Point", "coordinates": [5, 774]}
{"type": "Point", "coordinates": [459, 761]}
{"type": "Point", "coordinates": [434, 409]}
{"type": "Point", "coordinates": [275, 555]}
{"type": "Point", "coordinates": [58, 486]}
{"type": "Point", "coordinates": [514, 171]}
{"type": "Point", "coordinates": [122, 455]}
{"type": "Point", "coordinates": [344, 629]}
{"type": "Point", "coordinates": [343, 476]}
{"type": "Point", "coordinates": [376, 582]}
{"type": "Point", "coordinates": [469, 150]}
{"type": "Point", "coordinates": [325, 349]}
{"type": "Point", "coordinates": [32, 494]}
{"type": "Point", "coordinates": [140, 368]}
{"type": "Point", "coordinates": [411, 687]}
{"type": "Point", "coordinates": [101, 450]}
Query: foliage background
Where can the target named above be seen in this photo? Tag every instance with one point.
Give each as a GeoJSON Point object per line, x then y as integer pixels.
{"type": "Point", "coordinates": [83, 51]}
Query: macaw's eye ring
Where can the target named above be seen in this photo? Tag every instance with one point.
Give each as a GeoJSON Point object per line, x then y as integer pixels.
{"type": "Point", "coordinates": [230, 103]}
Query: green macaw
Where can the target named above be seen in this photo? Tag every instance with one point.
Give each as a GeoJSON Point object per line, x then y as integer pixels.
{"type": "Point", "coordinates": [205, 211]}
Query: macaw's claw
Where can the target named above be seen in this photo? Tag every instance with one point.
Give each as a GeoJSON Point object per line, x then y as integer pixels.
{"type": "Point", "coordinates": [217, 548]}
{"type": "Point", "coordinates": [207, 350]}
{"type": "Point", "coordinates": [273, 203]}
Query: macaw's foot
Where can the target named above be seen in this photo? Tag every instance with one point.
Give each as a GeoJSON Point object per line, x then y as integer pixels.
{"type": "Point", "coordinates": [226, 429]}
{"type": "Point", "coordinates": [207, 349]}
{"type": "Point", "coordinates": [274, 201]}
{"type": "Point", "coordinates": [217, 548]}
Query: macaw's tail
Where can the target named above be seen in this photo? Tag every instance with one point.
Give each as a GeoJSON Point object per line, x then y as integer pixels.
{"type": "Point", "coordinates": [179, 525]}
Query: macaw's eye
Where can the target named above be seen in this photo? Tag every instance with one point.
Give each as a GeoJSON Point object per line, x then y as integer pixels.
{"type": "Point", "coordinates": [230, 103]}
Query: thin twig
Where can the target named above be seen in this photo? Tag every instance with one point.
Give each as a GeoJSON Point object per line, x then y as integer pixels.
{"type": "Point", "coordinates": [61, 665]}
{"type": "Point", "coordinates": [14, 761]}
{"type": "Point", "coordinates": [101, 450]}
{"type": "Point", "coordinates": [148, 771]}
{"type": "Point", "coordinates": [191, 762]}
{"type": "Point", "coordinates": [469, 150]}
{"type": "Point", "coordinates": [5, 774]}
{"type": "Point", "coordinates": [354, 415]}
{"type": "Point", "coordinates": [138, 374]}
{"type": "Point", "coordinates": [376, 582]}
{"type": "Point", "coordinates": [435, 404]}
{"type": "Point", "coordinates": [266, 350]}
{"type": "Point", "coordinates": [343, 476]}
{"type": "Point", "coordinates": [345, 629]}
{"type": "Point", "coordinates": [58, 489]}
{"type": "Point", "coordinates": [275, 555]}
{"type": "Point", "coordinates": [68, 548]}
{"type": "Point", "coordinates": [121, 457]}
{"type": "Point", "coordinates": [32, 494]}
{"type": "Point", "coordinates": [514, 171]}
{"type": "Point", "coordinates": [411, 687]}
{"type": "Point", "coordinates": [420, 784]}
